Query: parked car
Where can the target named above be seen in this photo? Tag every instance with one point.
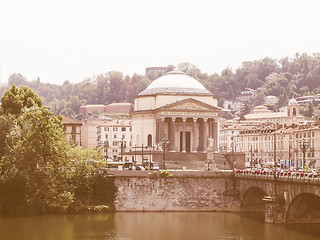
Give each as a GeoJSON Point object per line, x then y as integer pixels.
{"type": "Point", "coordinates": [141, 168]}
{"type": "Point", "coordinates": [155, 166]}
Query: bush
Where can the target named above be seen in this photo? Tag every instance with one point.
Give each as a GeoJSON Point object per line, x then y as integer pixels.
{"type": "Point", "coordinates": [165, 173]}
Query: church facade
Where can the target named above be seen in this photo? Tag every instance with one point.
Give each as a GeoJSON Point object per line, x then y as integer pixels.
{"type": "Point", "coordinates": [178, 111]}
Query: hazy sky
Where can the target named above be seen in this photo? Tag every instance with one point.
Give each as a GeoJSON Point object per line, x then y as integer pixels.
{"type": "Point", "coordinates": [62, 40]}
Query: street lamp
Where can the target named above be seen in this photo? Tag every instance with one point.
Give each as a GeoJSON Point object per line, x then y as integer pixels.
{"type": "Point", "coordinates": [275, 162]}
{"type": "Point", "coordinates": [121, 145]}
{"type": "Point", "coordinates": [164, 142]}
{"type": "Point", "coordinates": [274, 152]}
{"type": "Point", "coordinates": [304, 145]}
{"type": "Point", "coordinates": [106, 146]}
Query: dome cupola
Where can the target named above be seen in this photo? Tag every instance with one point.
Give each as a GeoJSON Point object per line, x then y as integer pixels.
{"type": "Point", "coordinates": [175, 82]}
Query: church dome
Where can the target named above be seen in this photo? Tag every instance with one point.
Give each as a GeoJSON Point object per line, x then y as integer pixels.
{"type": "Point", "coordinates": [175, 82]}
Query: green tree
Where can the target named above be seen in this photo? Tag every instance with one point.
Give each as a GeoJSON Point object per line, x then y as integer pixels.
{"type": "Point", "coordinates": [92, 188]}
{"type": "Point", "coordinates": [189, 69]}
{"type": "Point", "coordinates": [310, 110]}
{"type": "Point", "coordinates": [246, 109]}
{"type": "Point", "coordinates": [259, 99]}
{"type": "Point", "coordinates": [15, 100]}
{"type": "Point", "coordinates": [43, 139]}
{"type": "Point", "coordinates": [283, 100]}
{"type": "Point", "coordinates": [35, 162]}
{"type": "Point", "coordinates": [17, 79]}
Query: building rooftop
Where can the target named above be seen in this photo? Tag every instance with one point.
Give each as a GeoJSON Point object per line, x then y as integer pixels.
{"type": "Point", "coordinates": [69, 120]}
{"type": "Point", "coordinates": [265, 115]}
{"type": "Point", "coordinates": [118, 108]}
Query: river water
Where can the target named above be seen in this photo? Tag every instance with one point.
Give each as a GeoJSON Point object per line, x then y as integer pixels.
{"type": "Point", "coordinates": [153, 226]}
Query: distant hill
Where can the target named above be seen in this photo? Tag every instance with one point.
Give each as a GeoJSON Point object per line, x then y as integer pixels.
{"type": "Point", "coordinates": [284, 78]}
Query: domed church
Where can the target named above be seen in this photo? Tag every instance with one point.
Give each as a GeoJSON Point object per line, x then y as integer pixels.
{"type": "Point", "coordinates": [178, 110]}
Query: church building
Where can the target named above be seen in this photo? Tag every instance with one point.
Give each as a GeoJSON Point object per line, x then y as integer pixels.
{"type": "Point", "coordinates": [178, 110]}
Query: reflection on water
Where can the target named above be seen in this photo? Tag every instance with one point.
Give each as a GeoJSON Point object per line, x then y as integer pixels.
{"type": "Point", "coordinates": [143, 226]}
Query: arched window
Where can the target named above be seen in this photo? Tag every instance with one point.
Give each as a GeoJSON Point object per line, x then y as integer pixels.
{"type": "Point", "coordinates": [294, 112]}
{"type": "Point", "coordinates": [149, 140]}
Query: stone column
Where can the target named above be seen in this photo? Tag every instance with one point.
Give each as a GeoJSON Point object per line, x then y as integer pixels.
{"type": "Point", "coordinates": [274, 209]}
{"type": "Point", "coordinates": [210, 121]}
{"type": "Point", "coordinates": [184, 134]}
{"type": "Point", "coordinates": [216, 134]}
{"type": "Point", "coordinates": [204, 135]}
{"type": "Point", "coordinates": [194, 135]}
{"type": "Point", "coordinates": [161, 128]}
{"type": "Point", "coordinates": [200, 136]}
{"type": "Point", "coordinates": [157, 130]}
{"type": "Point", "coordinates": [172, 136]}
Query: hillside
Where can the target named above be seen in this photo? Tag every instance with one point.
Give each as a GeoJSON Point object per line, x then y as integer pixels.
{"type": "Point", "coordinates": [293, 77]}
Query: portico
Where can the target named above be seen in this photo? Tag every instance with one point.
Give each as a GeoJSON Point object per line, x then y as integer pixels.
{"type": "Point", "coordinates": [188, 133]}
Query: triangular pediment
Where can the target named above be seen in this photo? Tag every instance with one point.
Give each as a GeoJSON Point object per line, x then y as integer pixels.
{"type": "Point", "coordinates": [189, 104]}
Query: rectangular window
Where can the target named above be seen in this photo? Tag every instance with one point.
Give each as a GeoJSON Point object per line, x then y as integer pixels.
{"type": "Point", "coordinates": [115, 129]}
{"type": "Point", "coordinates": [114, 143]}
{"type": "Point", "coordinates": [115, 136]}
{"type": "Point", "coordinates": [123, 129]}
{"type": "Point", "coordinates": [74, 129]}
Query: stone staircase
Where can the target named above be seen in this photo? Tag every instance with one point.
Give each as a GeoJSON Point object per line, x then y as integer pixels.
{"type": "Point", "coordinates": [194, 161]}
{"type": "Point", "coordinates": [221, 162]}
{"type": "Point", "coordinates": [178, 160]}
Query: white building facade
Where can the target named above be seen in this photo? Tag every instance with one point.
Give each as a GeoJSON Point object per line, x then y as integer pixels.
{"type": "Point", "coordinates": [115, 138]}
{"type": "Point", "coordinates": [178, 109]}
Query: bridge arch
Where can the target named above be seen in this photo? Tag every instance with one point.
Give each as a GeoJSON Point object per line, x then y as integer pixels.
{"type": "Point", "coordinates": [252, 200]}
{"type": "Point", "coordinates": [304, 208]}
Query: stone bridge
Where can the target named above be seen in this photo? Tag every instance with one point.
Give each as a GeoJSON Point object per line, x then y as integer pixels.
{"type": "Point", "coordinates": [283, 199]}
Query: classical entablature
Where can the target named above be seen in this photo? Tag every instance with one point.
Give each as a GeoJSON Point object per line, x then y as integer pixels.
{"type": "Point", "coordinates": [188, 108]}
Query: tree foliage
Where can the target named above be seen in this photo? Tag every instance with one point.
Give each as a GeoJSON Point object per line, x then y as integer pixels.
{"type": "Point", "coordinates": [39, 170]}
{"type": "Point", "coordinates": [15, 100]}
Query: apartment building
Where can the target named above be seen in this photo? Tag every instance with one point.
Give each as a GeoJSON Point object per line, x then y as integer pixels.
{"type": "Point", "coordinates": [289, 146]}
{"type": "Point", "coordinates": [72, 129]}
{"type": "Point", "coordinates": [115, 138]}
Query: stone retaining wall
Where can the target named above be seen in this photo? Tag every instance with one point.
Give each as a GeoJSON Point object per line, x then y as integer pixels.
{"type": "Point", "coordinates": [185, 191]}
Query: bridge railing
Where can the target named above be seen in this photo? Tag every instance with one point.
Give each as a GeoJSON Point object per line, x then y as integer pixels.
{"type": "Point", "coordinates": [284, 176]}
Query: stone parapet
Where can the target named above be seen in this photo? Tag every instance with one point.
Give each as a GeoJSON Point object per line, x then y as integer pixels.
{"type": "Point", "coordinates": [178, 174]}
